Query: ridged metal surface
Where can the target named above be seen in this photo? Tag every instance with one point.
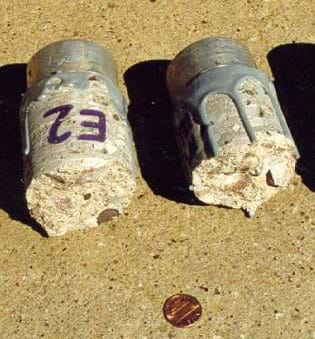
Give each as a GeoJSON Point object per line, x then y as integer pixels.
{"type": "Point", "coordinates": [202, 56]}
{"type": "Point", "coordinates": [70, 56]}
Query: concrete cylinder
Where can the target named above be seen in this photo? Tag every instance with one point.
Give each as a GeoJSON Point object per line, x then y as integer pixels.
{"type": "Point", "coordinates": [79, 158]}
{"type": "Point", "coordinates": [234, 142]}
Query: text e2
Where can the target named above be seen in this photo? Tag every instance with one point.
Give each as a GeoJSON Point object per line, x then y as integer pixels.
{"type": "Point", "coordinates": [62, 111]}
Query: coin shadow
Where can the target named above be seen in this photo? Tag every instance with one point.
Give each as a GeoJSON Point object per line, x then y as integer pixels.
{"type": "Point", "coordinates": [150, 114]}
{"type": "Point", "coordinates": [12, 197]}
{"type": "Point", "coordinates": [293, 67]}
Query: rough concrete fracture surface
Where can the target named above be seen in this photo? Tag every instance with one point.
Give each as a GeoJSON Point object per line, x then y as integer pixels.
{"type": "Point", "coordinates": [254, 277]}
{"type": "Point", "coordinates": [245, 175]}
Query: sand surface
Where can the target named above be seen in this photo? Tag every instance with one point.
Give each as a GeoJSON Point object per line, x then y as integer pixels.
{"type": "Point", "coordinates": [255, 278]}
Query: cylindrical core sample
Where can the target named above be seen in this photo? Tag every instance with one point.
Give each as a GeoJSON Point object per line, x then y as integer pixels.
{"type": "Point", "coordinates": [234, 142]}
{"type": "Point", "coordinates": [79, 160]}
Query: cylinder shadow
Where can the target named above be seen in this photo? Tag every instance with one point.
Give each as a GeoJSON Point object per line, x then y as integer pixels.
{"type": "Point", "coordinates": [12, 197]}
{"type": "Point", "coordinates": [293, 67]}
{"type": "Point", "coordinates": [150, 115]}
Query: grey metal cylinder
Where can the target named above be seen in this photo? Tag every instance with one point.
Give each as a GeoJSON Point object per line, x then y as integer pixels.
{"type": "Point", "coordinates": [203, 56]}
{"type": "Point", "coordinates": [235, 145]}
{"type": "Point", "coordinates": [79, 163]}
{"type": "Point", "coordinates": [71, 56]}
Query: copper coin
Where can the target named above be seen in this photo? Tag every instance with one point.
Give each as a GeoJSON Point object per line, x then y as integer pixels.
{"type": "Point", "coordinates": [182, 310]}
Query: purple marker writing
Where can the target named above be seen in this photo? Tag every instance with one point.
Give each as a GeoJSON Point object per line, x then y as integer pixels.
{"type": "Point", "coordinates": [63, 111]}
{"type": "Point", "coordinates": [100, 125]}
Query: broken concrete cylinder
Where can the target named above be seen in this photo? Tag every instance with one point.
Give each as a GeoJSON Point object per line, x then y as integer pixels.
{"type": "Point", "coordinates": [234, 142]}
{"type": "Point", "coordinates": [79, 159]}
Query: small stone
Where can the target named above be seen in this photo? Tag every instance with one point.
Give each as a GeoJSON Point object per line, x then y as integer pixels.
{"type": "Point", "coordinates": [107, 215]}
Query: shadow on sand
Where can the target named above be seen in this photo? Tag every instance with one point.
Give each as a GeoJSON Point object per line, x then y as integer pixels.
{"type": "Point", "coordinates": [12, 200]}
{"type": "Point", "coordinates": [293, 67]}
{"type": "Point", "coordinates": [151, 119]}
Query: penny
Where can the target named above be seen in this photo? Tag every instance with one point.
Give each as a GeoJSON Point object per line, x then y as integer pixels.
{"type": "Point", "coordinates": [182, 310]}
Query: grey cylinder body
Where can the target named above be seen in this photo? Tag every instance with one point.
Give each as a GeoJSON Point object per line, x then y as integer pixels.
{"type": "Point", "coordinates": [235, 144]}
{"type": "Point", "coordinates": [79, 160]}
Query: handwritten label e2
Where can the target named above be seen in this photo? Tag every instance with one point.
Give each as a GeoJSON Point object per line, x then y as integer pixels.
{"type": "Point", "coordinates": [64, 110]}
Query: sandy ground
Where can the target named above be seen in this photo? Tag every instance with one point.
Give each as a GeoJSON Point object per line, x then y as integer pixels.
{"type": "Point", "coordinates": [255, 278]}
